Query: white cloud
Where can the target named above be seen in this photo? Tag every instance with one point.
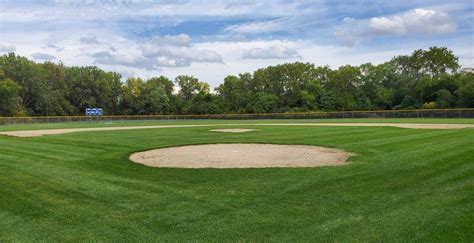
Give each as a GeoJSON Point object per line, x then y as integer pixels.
{"type": "Point", "coordinates": [89, 39]}
{"type": "Point", "coordinates": [416, 21]}
{"type": "Point", "coordinates": [55, 47]}
{"type": "Point", "coordinates": [165, 61]}
{"type": "Point", "coordinates": [172, 40]}
{"type": "Point", "coordinates": [7, 47]}
{"type": "Point", "coordinates": [387, 26]}
{"type": "Point", "coordinates": [348, 20]}
{"type": "Point", "coordinates": [177, 50]}
{"type": "Point", "coordinates": [413, 22]}
{"type": "Point", "coordinates": [128, 60]}
{"type": "Point", "coordinates": [159, 52]}
{"type": "Point", "coordinates": [256, 27]}
{"type": "Point", "coordinates": [348, 38]}
{"type": "Point", "coordinates": [271, 52]}
{"type": "Point", "coordinates": [42, 56]}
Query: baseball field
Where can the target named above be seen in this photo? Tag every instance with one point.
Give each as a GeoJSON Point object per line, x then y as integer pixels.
{"type": "Point", "coordinates": [398, 180]}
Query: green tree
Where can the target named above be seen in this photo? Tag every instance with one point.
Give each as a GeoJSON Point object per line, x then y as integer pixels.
{"type": "Point", "coordinates": [131, 100]}
{"type": "Point", "coordinates": [465, 92]}
{"type": "Point", "coordinates": [231, 93]}
{"type": "Point", "coordinates": [264, 102]}
{"type": "Point", "coordinates": [30, 77]}
{"type": "Point", "coordinates": [190, 87]}
{"type": "Point", "coordinates": [344, 83]}
{"type": "Point", "coordinates": [10, 100]}
{"type": "Point", "coordinates": [444, 98]}
{"type": "Point", "coordinates": [382, 97]}
{"type": "Point", "coordinates": [163, 81]}
{"type": "Point", "coordinates": [156, 101]}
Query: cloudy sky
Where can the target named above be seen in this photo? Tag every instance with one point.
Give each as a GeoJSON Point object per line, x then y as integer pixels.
{"type": "Point", "coordinates": [212, 39]}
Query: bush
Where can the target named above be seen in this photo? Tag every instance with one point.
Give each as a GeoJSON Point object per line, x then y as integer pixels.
{"type": "Point", "coordinates": [430, 105]}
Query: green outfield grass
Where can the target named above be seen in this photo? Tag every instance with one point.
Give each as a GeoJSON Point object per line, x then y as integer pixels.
{"type": "Point", "coordinates": [173, 122]}
{"type": "Point", "coordinates": [403, 185]}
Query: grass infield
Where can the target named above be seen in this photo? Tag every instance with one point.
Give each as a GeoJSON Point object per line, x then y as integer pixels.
{"type": "Point", "coordinates": [403, 185]}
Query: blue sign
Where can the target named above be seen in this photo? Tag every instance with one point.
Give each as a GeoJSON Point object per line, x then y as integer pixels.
{"type": "Point", "coordinates": [94, 112]}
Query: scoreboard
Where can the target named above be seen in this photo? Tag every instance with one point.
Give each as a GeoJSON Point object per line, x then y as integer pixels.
{"type": "Point", "coordinates": [94, 112]}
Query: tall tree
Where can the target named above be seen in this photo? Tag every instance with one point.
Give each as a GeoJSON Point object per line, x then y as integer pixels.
{"type": "Point", "coordinates": [10, 100]}
{"type": "Point", "coordinates": [189, 88]}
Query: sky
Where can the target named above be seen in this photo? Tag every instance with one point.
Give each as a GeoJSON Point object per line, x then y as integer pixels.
{"type": "Point", "coordinates": [213, 39]}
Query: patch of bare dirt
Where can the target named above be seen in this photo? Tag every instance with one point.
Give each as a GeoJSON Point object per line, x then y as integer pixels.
{"type": "Point", "coordinates": [241, 156]}
{"type": "Point", "coordinates": [234, 130]}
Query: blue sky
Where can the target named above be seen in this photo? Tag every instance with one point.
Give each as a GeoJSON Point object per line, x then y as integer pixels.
{"type": "Point", "coordinates": [212, 39]}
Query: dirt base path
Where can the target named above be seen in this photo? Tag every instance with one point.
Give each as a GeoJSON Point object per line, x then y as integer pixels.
{"type": "Point", "coordinates": [241, 156]}
{"type": "Point", "coordinates": [36, 133]}
{"type": "Point", "coordinates": [234, 130]}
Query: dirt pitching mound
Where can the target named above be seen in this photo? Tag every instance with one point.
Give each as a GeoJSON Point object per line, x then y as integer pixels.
{"type": "Point", "coordinates": [234, 130]}
{"type": "Point", "coordinates": [241, 156]}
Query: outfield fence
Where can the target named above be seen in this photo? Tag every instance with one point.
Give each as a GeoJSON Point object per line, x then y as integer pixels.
{"type": "Point", "coordinates": [426, 113]}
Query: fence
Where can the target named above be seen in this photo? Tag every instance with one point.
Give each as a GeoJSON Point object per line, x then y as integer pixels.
{"type": "Point", "coordinates": [432, 113]}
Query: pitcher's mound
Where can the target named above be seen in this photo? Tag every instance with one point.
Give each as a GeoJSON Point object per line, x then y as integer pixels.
{"type": "Point", "coordinates": [234, 130]}
{"type": "Point", "coordinates": [241, 156]}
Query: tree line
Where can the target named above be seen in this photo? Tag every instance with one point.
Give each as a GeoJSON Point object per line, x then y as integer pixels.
{"type": "Point", "coordinates": [425, 79]}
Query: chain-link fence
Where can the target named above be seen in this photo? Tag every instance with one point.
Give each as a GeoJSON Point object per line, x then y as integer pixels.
{"type": "Point", "coordinates": [432, 113]}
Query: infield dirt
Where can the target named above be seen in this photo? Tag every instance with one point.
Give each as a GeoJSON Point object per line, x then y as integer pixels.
{"type": "Point", "coordinates": [241, 156]}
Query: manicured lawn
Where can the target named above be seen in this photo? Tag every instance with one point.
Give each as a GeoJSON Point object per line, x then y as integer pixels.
{"type": "Point", "coordinates": [172, 122]}
{"type": "Point", "coordinates": [404, 185]}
